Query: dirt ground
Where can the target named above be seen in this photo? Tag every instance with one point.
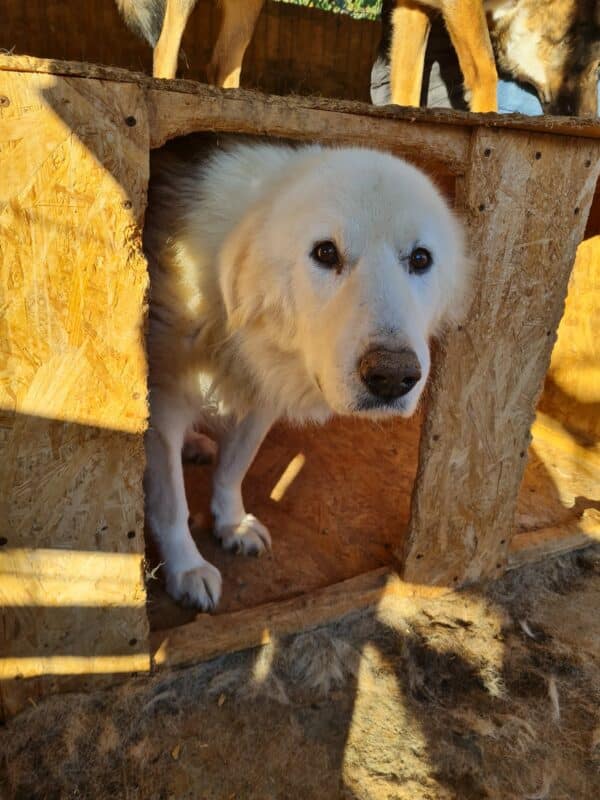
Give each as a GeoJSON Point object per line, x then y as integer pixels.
{"type": "Point", "coordinates": [481, 694]}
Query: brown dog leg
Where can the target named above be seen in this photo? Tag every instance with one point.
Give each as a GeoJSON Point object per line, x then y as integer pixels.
{"type": "Point", "coordinates": [237, 26]}
{"type": "Point", "coordinates": [467, 26]}
{"type": "Point", "coordinates": [411, 26]}
{"type": "Point", "coordinates": [166, 51]}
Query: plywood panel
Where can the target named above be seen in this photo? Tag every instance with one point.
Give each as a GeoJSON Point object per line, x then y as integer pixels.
{"type": "Point", "coordinates": [572, 390]}
{"type": "Point", "coordinates": [74, 166]}
{"type": "Point", "coordinates": [341, 509]}
{"type": "Point", "coordinates": [526, 201]}
{"type": "Point", "coordinates": [74, 151]}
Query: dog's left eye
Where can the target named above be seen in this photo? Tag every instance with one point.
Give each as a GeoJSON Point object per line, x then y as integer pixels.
{"type": "Point", "coordinates": [326, 254]}
{"type": "Point", "coordinates": [420, 260]}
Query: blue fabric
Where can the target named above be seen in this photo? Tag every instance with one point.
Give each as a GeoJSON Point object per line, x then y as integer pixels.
{"type": "Point", "coordinates": [513, 98]}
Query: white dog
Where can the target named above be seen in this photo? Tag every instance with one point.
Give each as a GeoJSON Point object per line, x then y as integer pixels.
{"type": "Point", "coordinates": [294, 283]}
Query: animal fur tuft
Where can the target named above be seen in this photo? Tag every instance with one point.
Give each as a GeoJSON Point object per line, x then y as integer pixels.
{"type": "Point", "coordinates": [144, 17]}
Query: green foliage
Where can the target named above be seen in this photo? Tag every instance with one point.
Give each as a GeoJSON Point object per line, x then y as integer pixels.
{"type": "Point", "coordinates": [359, 9]}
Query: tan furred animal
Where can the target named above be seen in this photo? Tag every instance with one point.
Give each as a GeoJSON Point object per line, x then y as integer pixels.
{"type": "Point", "coordinates": [467, 27]}
{"type": "Point", "coordinates": [162, 23]}
{"type": "Point", "coordinates": [552, 45]}
{"type": "Point", "coordinates": [285, 284]}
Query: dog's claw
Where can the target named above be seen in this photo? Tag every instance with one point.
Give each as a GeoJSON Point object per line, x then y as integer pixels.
{"type": "Point", "coordinates": [249, 537]}
{"type": "Point", "coordinates": [196, 588]}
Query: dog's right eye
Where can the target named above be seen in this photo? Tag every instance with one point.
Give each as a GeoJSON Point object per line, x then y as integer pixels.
{"type": "Point", "coordinates": [326, 255]}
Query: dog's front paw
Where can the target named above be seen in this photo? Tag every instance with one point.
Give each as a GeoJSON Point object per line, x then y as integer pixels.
{"type": "Point", "coordinates": [249, 537]}
{"type": "Point", "coordinates": [196, 588]}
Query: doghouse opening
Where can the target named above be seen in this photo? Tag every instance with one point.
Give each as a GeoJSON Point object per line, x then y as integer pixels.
{"type": "Point", "coordinates": [336, 499]}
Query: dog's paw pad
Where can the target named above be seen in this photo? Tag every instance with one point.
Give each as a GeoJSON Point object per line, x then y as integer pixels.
{"type": "Point", "coordinates": [250, 537]}
{"type": "Point", "coordinates": [196, 588]}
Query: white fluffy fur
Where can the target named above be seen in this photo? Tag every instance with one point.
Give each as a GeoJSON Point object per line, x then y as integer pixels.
{"type": "Point", "coordinates": [246, 328]}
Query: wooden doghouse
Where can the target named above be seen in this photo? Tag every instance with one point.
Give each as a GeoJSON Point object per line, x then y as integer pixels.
{"type": "Point", "coordinates": [355, 510]}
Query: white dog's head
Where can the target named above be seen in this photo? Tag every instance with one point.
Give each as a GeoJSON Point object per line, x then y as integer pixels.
{"type": "Point", "coordinates": [349, 261]}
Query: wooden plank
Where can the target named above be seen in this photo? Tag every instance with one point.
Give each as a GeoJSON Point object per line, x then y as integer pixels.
{"type": "Point", "coordinates": [175, 114]}
{"type": "Point", "coordinates": [557, 126]}
{"type": "Point", "coordinates": [74, 164]}
{"type": "Point", "coordinates": [208, 637]}
{"type": "Point", "coordinates": [534, 546]}
{"type": "Point", "coordinates": [526, 201]}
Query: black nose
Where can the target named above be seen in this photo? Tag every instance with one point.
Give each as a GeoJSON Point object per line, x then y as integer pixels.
{"type": "Point", "coordinates": [390, 374]}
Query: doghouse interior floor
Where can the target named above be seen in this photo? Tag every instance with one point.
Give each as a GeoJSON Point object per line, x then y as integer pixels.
{"type": "Point", "coordinates": [337, 502]}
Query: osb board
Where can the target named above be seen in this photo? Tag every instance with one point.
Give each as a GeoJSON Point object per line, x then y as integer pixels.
{"type": "Point", "coordinates": [343, 507]}
{"type": "Point", "coordinates": [294, 49]}
{"type": "Point", "coordinates": [346, 508]}
{"type": "Point", "coordinates": [572, 391]}
{"type": "Point", "coordinates": [559, 506]}
{"type": "Point", "coordinates": [196, 98]}
{"type": "Point", "coordinates": [526, 200]}
{"type": "Point", "coordinates": [72, 372]}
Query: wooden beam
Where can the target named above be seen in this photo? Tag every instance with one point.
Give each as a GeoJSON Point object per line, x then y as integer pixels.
{"type": "Point", "coordinates": [558, 126]}
{"type": "Point", "coordinates": [444, 148]}
{"type": "Point", "coordinates": [211, 636]}
{"type": "Point", "coordinates": [526, 200]}
{"type": "Point", "coordinates": [533, 546]}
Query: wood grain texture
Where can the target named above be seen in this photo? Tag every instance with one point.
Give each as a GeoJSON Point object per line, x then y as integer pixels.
{"type": "Point", "coordinates": [526, 199]}
{"type": "Point", "coordinates": [558, 126]}
{"type": "Point", "coordinates": [172, 114]}
{"type": "Point", "coordinates": [210, 636]}
{"type": "Point", "coordinates": [572, 390]}
{"type": "Point", "coordinates": [72, 364]}
{"type": "Point", "coordinates": [74, 144]}
{"type": "Point", "coordinates": [535, 546]}
{"type": "Point", "coordinates": [344, 513]}
{"type": "Point", "coordinates": [559, 501]}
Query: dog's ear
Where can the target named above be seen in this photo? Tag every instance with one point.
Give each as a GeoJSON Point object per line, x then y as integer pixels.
{"type": "Point", "coordinates": [240, 274]}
